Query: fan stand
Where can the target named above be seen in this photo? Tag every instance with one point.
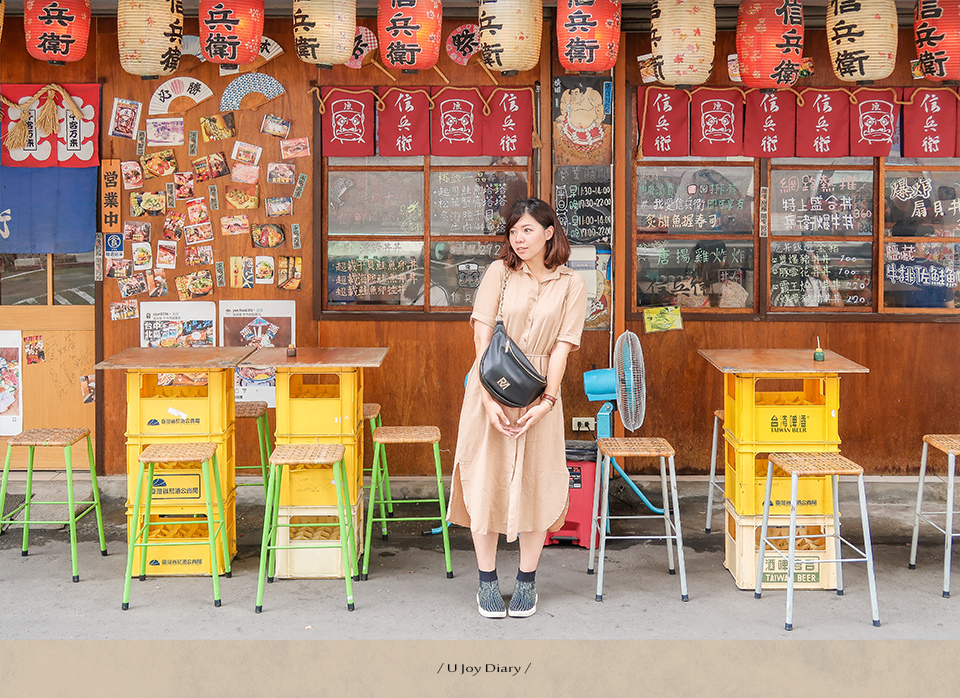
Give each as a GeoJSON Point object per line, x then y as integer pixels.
{"type": "Point", "coordinates": [604, 431]}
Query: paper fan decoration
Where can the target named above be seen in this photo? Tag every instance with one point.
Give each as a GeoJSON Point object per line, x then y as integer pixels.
{"type": "Point", "coordinates": [364, 44]}
{"type": "Point", "coordinates": [463, 43]}
{"type": "Point", "coordinates": [269, 49]}
{"type": "Point", "coordinates": [191, 47]}
{"type": "Point", "coordinates": [190, 88]}
{"type": "Point", "coordinates": [258, 83]}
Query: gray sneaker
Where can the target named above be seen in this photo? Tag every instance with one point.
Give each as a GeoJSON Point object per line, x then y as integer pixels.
{"type": "Point", "coordinates": [524, 601]}
{"type": "Point", "coordinates": [490, 600]}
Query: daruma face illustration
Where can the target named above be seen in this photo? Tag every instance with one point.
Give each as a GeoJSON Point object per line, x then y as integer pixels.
{"type": "Point", "coordinates": [347, 120]}
{"type": "Point", "coordinates": [456, 121]}
{"type": "Point", "coordinates": [717, 120]}
{"type": "Point", "coordinates": [876, 121]}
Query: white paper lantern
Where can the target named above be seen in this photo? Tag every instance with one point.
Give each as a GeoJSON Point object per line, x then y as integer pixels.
{"type": "Point", "coordinates": [862, 36]}
{"type": "Point", "coordinates": [150, 36]}
{"type": "Point", "coordinates": [323, 31]}
{"type": "Point", "coordinates": [510, 34]}
{"type": "Point", "coordinates": [683, 39]}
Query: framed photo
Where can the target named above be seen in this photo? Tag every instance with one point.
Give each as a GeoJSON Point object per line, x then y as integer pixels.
{"type": "Point", "coordinates": [244, 173]}
{"type": "Point", "coordinates": [136, 231]}
{"type": "Point", "coordinates": [166, 131]}
{"type": "Point", "coordinates": [147, 203]}
{"type": "Point", "coordinates": [279, 206]}
{"type": "Point", "coordinates": [243, 196]}
{"type": "Point", "coordinates": [194, 234]}
{"type": "Point", "coordinates": [218, 165]}
{"type": "Point", "coordinates": [289, 273]}
{"type": "Point", "coordinates": [118, 268]}
{"type": "Point", "coordinates": [159, 164]}
{"type": "Point", "coordinates": [241, 272]}
{"type": "Point", "coordinates": [173, 225]}
{"type": "Point", "coordinates": [125, 118]}
{"type": "Point", "coordinates": [132, 174]}
{"type": "Point", "coordinates": [166, 254]}
{"type": "Point", "coordinates": [197, 211]}
{"type": "Point", "coordinates": [196, 256]}
{"type": "Point", "coordinates": [183, 184]}
{"type": "Point", "coordinates": [195, 285]}
{"type": "Point", "coordinates": [235, 225]}
{"type": "Point", "coordinates": [281, 173]}
{"type": "Point", "coordinates": [132, 286]}
{"type": "Point", "coordinates": [295, 148]}
{"type": "Point", "coordinates": [156, 282]}
{"type": "Point", "coordinates": [275, 126]}
{"type": "Point", "coordinates": [123, 310]}
{"type": "Point", "coordinates": [217, 127]}
{"type": "Point", "coordinates": [246, 152]}
{"type": "Point", "coordinates": [142, 256]}
{"type": "Point", "coordinates": [264, 270]}
{"type": "Point", "coordinates": [266, 235]}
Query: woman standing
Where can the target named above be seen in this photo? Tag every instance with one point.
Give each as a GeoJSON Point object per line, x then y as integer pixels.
{"type": "Point", "coordinates": [510, 475]}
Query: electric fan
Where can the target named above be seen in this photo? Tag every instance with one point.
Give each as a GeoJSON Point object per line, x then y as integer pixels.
{"type": "Point", "coordinates": [622, 389]}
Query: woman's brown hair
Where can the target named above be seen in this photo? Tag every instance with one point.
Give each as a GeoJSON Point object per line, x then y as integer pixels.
{"type": "Point", "coordinates": [557, 251]}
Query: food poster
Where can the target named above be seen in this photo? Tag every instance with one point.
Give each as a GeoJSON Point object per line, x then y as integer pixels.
{"type": "Point", "coordinates": [259, 324]}
{"type": "Point", "coordinates": [11, 386]}
{"type": "Point", "coordinates": [178, 324]}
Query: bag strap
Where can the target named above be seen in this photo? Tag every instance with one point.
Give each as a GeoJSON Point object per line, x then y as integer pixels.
{"type": "Point", "coordinates": [503, 290]}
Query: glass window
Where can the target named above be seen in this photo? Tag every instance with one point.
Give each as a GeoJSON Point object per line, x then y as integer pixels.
{"type": "Point", "coordinates": [23, 279]}
{"type": "Point", "coordinates": [710, 273]}
{"type": "Point", "coordinates": [73, 282]}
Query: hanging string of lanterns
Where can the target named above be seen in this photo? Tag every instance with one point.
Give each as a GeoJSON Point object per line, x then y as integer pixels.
{"type": "Point", "coordinates": [683, 37]}
{"type": "Point", "coordinates": [324, 31]}
{"type": "Point", "coordinates": [409, 33]}
{"type": "Point", "coordinates": [510, 34]}
{"type": "Point", "coordinates": [588, 35]}
{"type": "Point", "coordinates": [57, 31]}
{"type": "Point", "coordinates": [231, 30]}
{"type": "Point", "coordinates": [770, 42]}
{"type": "Point", "coordinates": [150, 36]}
{"type": "Point", "coordinates": [862, 37]}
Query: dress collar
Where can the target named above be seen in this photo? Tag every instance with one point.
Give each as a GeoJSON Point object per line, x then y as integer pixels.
{"type": "Point", "coordinates": [554, 274]}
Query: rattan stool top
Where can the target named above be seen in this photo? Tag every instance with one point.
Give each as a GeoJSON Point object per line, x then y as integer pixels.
{"type": "Point", "coordinates": [406, 435]}
{"type": "Point", "coordinates": [719, 413]}
{"type": "Point", "coordinates": [307, 454]}
{"type": "Point", "coordinates": [251, 410]}
{"type": "Point", "coordinates": [48, 437]}
{"type": "Point", "coordinates": [370, 410]}
{"type": "Point", "coordinates": [948, 443]}
{"type": "Point", "coordinates": [178, 453]}
{"type": "Point", "coordinates": [644, 447]}
{"type": "Point", "coordinates": [815, 464]}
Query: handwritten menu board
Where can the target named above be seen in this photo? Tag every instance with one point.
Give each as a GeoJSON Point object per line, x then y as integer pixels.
{"type": "Point", "coordinates": [821, 202]}
{"type": "Point", "coordinates": [821, 274]}
{"type": "Point", "coordinates": [374, 273]}
{"type": "Point", "coordinates": [473, 203]}
{"type": "Point", "coordinates": [921, 275]}
{"type": "Point", "coordinates": [922, 204]}
{"type": "Point", "coordinates": [695, 200]}
{"type": "Point", "coordinates": [375, 203]}
{"type": "Point", "coordinates": [458, 267]}
{"type": "Point", "coordinates": [583, 199]}
{"type": "Point", "coordinates": [695, 274]}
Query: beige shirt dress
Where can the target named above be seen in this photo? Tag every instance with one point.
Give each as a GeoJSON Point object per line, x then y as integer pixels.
{"type": "Point", "coordinates": [501, 484]}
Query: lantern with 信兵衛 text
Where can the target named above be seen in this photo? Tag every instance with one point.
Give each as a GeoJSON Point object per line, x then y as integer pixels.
{"type": "Point", "coordinates": [683, 35]}
{"type": "Point", "coordinates": [324, 30]}
{"type": "Point", "coordinates": [510, 34]}
{"type": "Point", "coordinates": [57, 30]}
{"type": "Point", "coordinates": [862, 37]}
{"type": "Point", "coordinates": [231, 30]}
{"type": "Point", "coordinates": [936, 31]}
{"type": "Point", "coordinates": [150, 36]}
{"type": "Point", "coordinates": [770, 42]}
{"type": "Point", "coordinates": [588, 35]}
{"type": "Point", "coordinates": [409, 33]}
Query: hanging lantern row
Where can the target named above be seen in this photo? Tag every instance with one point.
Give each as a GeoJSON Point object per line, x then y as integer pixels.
{"type": "Point", "coordinates": [324, 31]}
{"type": "Point", "coordinates": [770, 42]}
{"type": "Point", "coordinates": [683, 35]}
{"type": "Point", "coordinates": [57, 30]}
{"type": "Point", "coordinates": [588, 34]}
{"type": "Point", "coordinates": [409, 32]}
{"type": "Point", "coordinates": [862, 37]}
{"type": "Point", "coordinates": [150, 36]}
{"type": "Point", "coordinates": [230, 31]}
{"type": "Point", "coordinates": [936, 31]}
{"type": "Point", "coordinates": [510, 34]}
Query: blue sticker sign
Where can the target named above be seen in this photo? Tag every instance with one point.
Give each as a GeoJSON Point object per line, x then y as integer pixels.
{"type": "Point", "coordinates": [113, 246]}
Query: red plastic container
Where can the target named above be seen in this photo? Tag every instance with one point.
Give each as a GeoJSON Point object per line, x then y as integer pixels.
{"type": "Point", "coordinates": [576, 526]}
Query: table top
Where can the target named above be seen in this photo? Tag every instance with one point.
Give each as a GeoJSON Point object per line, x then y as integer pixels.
{"type": "Point", "coordinates": [318, 357]}
{"type": "Point", "coordinates": [180, 358]}
{"type": "Point", "coordinates": [779, 361]}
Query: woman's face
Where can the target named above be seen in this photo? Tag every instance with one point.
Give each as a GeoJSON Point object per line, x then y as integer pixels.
{"type": "Point", "coordinates": [529, 239]}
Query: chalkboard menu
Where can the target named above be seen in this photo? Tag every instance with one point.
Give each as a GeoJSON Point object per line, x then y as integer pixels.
{"type": "Point", "coordinates": [922, 204]}
{"type": "Point", "coordinates": [458, 267]}
{"type": "Point", "coordinates": [695, 200]}
{"type": "Point", "coordinates": [695, 273]}
{"type": "Point", "coordinates": [821, 202]}
{"type": "Point", "coordinates": [473, 203]}
{"type": "Point", "coordinates": [583, 196]}
{"type": "Point", "coordinates": [375, 203]}
{"type": "Point", "coordinates": [375, 273]}
{"type": "Point", "coordinates": [921, 275]}
{"type": "Point", "coordinates": [821, 274]}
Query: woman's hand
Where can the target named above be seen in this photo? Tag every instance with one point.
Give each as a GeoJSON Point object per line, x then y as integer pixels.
{"type": "Point", "coordinates": [532, 416]}
{"type": "Point", "coordinates": [498, 418]}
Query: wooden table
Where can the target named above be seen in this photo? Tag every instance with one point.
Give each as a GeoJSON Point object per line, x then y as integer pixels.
{"type": "Point", "coordinates": [176, 359]}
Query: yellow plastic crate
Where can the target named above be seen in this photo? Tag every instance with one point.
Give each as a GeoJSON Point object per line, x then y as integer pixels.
{"type": "Point", "coordinates": [314, 563]}
{"type": "Point", "coordinates": [158, 410]}
{"type": "Point", "coordinates": [313, 486]}
{"type": "Point", "coordinates": [181, 485]}
{"type": "Point", "coordinates": [742, 545]}
{"type": "Point", "coordinates": [804, 415]}
{"type": "Point", "coordinates": [319, 402]}
{"type": "Point", "coordinates": [183, 560]}
{"type": "Point", "coordinates": [746, 477]}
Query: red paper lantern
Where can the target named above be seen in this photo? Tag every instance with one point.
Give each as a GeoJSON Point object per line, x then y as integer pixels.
{"type": "Point", "coordinates": [770, 42]}
{"type": "Point", "coordinates": [57, 30]}
{"type": "Point", "coordinates": [409, 32]}
{"type": "Point", "coordinates": [936, 31]}
{"type": "Point", "coordinates": [231, 30]}
{"type": "Point", "coordinates": [588, 35]}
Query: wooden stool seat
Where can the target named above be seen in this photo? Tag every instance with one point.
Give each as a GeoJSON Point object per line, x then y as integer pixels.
{"type": "Point", "coordinates": [250, 410]}
{"type": "Point", "coordinates": [48, 437]}
{"type": "Point", "coordinates": [178, 453]}
{"type": "Point", "coordinates": [948, 443]}
{"type": "Point", "coordinates": [406, 435]}
{"type": "Point", "coordinates": [307, 454]}
{"type": "Point", "coordinates": [815, 464]}
{"type": "Point", "coordinates": [370, 410]}
{"type": "Point", "coordinates": [635, 447]}
{"type": "Point", "coordinates": [718, 414]}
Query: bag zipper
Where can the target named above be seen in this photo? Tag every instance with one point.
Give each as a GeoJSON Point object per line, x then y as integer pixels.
{"type": "Point", "coordinates": [508, 347]}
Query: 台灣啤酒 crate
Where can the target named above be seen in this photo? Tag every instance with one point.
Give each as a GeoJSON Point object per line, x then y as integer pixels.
{"type": "Point", "coordinates": [319, 402]}
{"type": "Point", "coordinates": [805, 414]}
{"type": "Point", "coordinates": [301, 562]}
{"type": "Point", "coordinates": [155, 409]}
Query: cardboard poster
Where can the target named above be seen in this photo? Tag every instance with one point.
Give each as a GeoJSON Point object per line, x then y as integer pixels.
{"type": "Point", "coordinates": [259, 324]}
{"type": "Point", "coordinates": [11, 386]}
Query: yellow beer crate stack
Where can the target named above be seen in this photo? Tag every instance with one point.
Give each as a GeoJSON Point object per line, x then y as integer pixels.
{"type": "Point", "coordinates": [314, 563]}
{"type": "Point", "coordinates": [799, 414]}
{"type": "Point", "coordinates": [161, 412]}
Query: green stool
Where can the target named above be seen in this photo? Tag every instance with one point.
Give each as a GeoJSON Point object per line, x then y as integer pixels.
{"type": "Point", "coordinates": [65, 438]}
{"type": "Point", "coordinates": [256, 410]}
{"type": "Point", "coordinates": [303, 456]}
{"type": "Point", "coordinates": [174, 454]}
{"type": "Point", "coordinates": [371, 414]}
{"type": "Point", "coordinates": [405, 435]}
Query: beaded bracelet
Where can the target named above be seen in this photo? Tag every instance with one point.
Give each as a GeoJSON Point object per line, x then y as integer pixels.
{"type": "Point", "coordinates": [549, 398]}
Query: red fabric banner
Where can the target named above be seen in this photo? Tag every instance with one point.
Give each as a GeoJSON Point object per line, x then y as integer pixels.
{"type": "Point", "coordinates": [665, 116]}
{"type": "Point", "coordinates": [347, 123]}
{"type": "Point", "coordinates": [716, 123]}
{"type": "Point", "coordinates": [873, 120]}
{"type": "Point", "coordinates": [456, 127]}
{"type": "Point", "coordinates": [508, 130]}
{"type": "Point", "coordinates": [404, 127]}
{"type": "Point", "coordinates": [770, 128]}
{"type": "Point", "coordinates": [929, 123]}
{"type": "Point", "coordinates": [75, 144]}
{"type": "Point", "coordinates": [822, 130]}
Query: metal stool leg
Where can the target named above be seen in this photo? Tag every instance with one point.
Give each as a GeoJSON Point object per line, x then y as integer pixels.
{"type": "Point", "coordinates": [96, 497]}
{"type": "Point", "coordinates": [443, 512]}
{"type": "Point", "coordinates": [211, 531]}
{"type": "Point", "coordinates": [604, 505]}
{"type": "Point", "coordinates": [269, 523]}
{"type": "Point", "coordinates": [274, 529]}
{"type": "Point", "coordinates": [713, 472]}
{"type": "Point", "coordinates": [916, 517]}
{"type": "Point", "coordinates": [262, 441]}
{"type": "Point", "coordinates": [385, 482]}
{"type": "Point", "coordinates": [146, 523]}
{"type": "Point", "coordinates": [868, 549]}
{"type": "Point", "coordinates": [792, 553]}
{"type": "Point", "coordinates": [677, 531]}
{"type": "Point", "coordinates": [71, 512]}
{"type": "Point", "coordinates": [838, 549]}
{"type": "Point", "coordinates": [3, 482]}
{"type": "Point", "coordinates": [222, 527]}
{"type": "Point", "coordinates": [948, 536]}
{"type": "Point", "coordinates": [373, 496]}
{"type": "Point", "coordinates": [593, 514]}
{"type": "Point", "coordinates": [346, 531]}
{"type": "Point", "coordinates": [26, 504]}
{"type": "Point", "coordinates": [133, 534]}
{"type": "Point", "coordinates": [671, 568]}
{"type": "Point", "coordinates": [763, 530]}
{"type": "Point", "coordinates": [354, 569]}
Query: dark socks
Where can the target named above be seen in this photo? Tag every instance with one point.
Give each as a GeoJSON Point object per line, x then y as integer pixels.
{"type": "Point", "coordinates": [488, 576]}
{"type": "Point", "coordinates": [525, 576]}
